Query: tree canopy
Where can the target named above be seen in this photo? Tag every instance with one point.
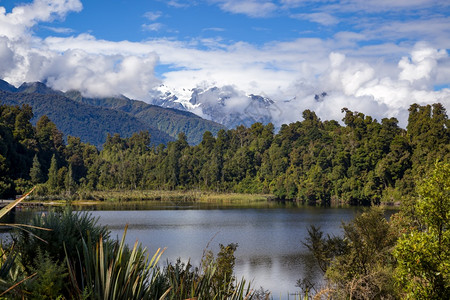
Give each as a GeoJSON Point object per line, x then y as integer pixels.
{"type": "Point", "coordinates": [362, 162]}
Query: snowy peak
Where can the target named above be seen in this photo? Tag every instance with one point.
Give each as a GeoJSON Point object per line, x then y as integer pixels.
{"type": "Point", "coordinates": [173, 98]}
{"type": "Point", "coordinates": [225, 105]}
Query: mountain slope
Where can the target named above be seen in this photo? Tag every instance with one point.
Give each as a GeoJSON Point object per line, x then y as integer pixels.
{"type": "Point", "coordinates": [90, 123]}
{"type": "Point", "coordinates": [225, 105]}
{"type": "Point", "coordinates": [171, 121]}
{"type": "Point", "coordinates": [5, 86]}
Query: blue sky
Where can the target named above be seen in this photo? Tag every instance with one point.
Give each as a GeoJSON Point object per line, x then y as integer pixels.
{"type": "Point", "coordinates": [377, 57]}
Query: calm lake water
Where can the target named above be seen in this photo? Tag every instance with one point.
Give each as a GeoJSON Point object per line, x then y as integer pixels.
{"type": "Point", "coordinates": [270, 250]}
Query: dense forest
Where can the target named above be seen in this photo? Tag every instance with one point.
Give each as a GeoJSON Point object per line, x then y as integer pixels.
{"type": "Point", "coordinates": [362, 162]}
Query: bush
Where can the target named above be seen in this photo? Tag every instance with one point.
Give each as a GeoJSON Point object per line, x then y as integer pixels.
{"type": "Point", "coordinates": [359, 265]}
{"type": "Point", "coordinates": [67, 231]}
{"type": "Point", "coordinates": [423, 252]}
{"type": "Point", "coordinates": [50, 278]}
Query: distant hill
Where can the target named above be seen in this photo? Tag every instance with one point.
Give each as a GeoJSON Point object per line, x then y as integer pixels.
{"type": "Point", "coordinates": [37, 88]}
{"type": "Point", "coordinates": [92, 119]}
{"type": "Point", "coordinates": [89, 123]}
{"type": "Point", "coordinates": [4, 86]}
{"type": "Point", "coordinates": [169, 120]}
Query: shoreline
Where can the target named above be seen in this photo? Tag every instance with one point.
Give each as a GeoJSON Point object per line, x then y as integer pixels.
{"type": "Point", "coordinates": [173, 198]}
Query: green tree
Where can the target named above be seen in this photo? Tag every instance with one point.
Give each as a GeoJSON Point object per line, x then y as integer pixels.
{"type": "Point", "coordinates": [358, 265]}
{"type": "Point", "coordinates": [69, 181]}
{"type": "Point", "coordinates": [5, 182]}
{"type": "Point", "coordinates": [224, 262]}
{"type": "Point", "coordinates": [423, 254]}
{"type": "Point", "coordinates": [52, 181]}
{"type": "Point", "coordinates": [23, 129]}
{"type": "Point", "coordinates": [36, 174]}
{"type": "Point", "coordinates": [50, 141]}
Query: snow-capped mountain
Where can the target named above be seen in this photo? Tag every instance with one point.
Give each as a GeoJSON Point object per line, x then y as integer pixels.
{"type": "Point", "coordinates": [225, 105]}
{"type": "Point", "coordinates": [172, 98]}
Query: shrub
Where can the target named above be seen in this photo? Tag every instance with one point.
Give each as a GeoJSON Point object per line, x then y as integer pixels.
{"type": "Point", "coordinates": [50, 278]}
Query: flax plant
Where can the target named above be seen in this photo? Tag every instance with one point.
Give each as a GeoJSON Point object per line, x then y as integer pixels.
{"type": "Point", "coordinates": [185, 282]}
{"type": "Point", "coordinates": [23, 227]}
{"type": "Point", "coordinates": [113, 271]}
{"type": "Point", "coordinates": [11, 270]}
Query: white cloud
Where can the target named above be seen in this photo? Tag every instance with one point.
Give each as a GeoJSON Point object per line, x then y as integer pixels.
{"type": "Point", "coordinates": [389, 5]}
{"type": "Point", "coordinates": [153, 26]}
{"type": "Point", "coordinates": [102, 75]}
{"type": "Point", "coordinates": [180, 3]}
{"type": "Point", "coordinates": [421, 64]}
{"type": "Point", "coordinates": [251, 8]}
{"type": "Point", "coordinates": [321, 18]}
{"type": "Point", "coordinates": [215, 29]}
{"type": "Point", "coordinates": [290, 70]}
{"type": "Point", "coordinates": [360, 82]}
{"type": "Point", "coordinates": [6, 56]}
{"type": "Point", "coordinates": [22, 18]}
{"type": "Point", "coordinates": [435, 30]}
{"type": "Point", "coordinates": [25, 57]}
{"type": "Point", "coordinates": [153, 15]}
{"type": "Point", "coordinates": [367, 5]}
{"type": "Point", "coordinates": [59, 29]}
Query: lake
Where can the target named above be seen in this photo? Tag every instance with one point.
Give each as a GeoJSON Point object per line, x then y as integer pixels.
{"type": "Point", "coordinates": [270, 252]}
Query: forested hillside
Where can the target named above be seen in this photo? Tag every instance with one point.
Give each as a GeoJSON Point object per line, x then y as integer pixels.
{"type": "Point", "coordinates": [91, 119]}
{"type": "Point", "coordinates": [362, 162]}
{"type": "Point", "coordinates": [91, 124]}
{"type": "Point", "coordinates": [168, 120]}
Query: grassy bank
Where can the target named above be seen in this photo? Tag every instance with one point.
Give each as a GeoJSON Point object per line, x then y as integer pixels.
{"type": "Point", "coordinates": [139, 199]}
{"type": "Point", "coordinates": [156, 196]}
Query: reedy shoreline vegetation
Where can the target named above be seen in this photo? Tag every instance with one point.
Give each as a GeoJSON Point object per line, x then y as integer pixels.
{"type": "Point", "coordinates": [70, 256]}
{"type": "Point", "coordinates": [152, 196]}
{"type": "Point", "coordinates": [314, 162]}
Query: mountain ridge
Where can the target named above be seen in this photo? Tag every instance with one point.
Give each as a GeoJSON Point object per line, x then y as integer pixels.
{"type": "Point", "coordinates": [169, 120]}
{"type": "Point", "coordinates": [92, 119]}
{"type": "Point", "coordinates": [225, 105]}
{"type": "Point", "coordinates": [91, 124]}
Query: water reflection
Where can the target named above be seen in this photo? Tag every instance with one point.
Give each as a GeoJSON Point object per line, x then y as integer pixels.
{"type": "Point", "coordinates": [270, 250]}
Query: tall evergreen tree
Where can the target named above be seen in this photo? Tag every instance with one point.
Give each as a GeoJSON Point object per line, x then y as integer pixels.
{"type": "Point", "coordinates": [36, 174]}
{"type": "Point", "coordinates": [52, 181]}
{"type": "Point", "coordinates": [69, 181]}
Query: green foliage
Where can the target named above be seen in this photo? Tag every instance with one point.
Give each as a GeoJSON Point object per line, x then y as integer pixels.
{"type": "Point", "coordinates": [69, 181]}
{"type": "Point", "coordinates": [52, 181]}
{"type": "Point", "coordinates": [313, 162]}
{"type": "Point", "coordinates": [408, 257]}
{"type": "Point", "coordinates": [423, 254]}
{"type": "Point", "coordinates": [68, 230]}
{"type": "Point", "coordinates": [11, 270]}
{"type": "Point", "coordinates": [324, 249]}
{"type": "Point", "coordinates": [214, 280]}
{"type": "Point", "coordinates": [36, 174]}
{"type": "Point", "coordinates": [360, 264]}
{"type": "Point", "coordinates": [50, 279]}
{"type": "Point", "coordinates": [112, 271]}
{"type": "Point", "coordinates": [224, 262]}
{"type": "Point", "coordinates": [87, 122]}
